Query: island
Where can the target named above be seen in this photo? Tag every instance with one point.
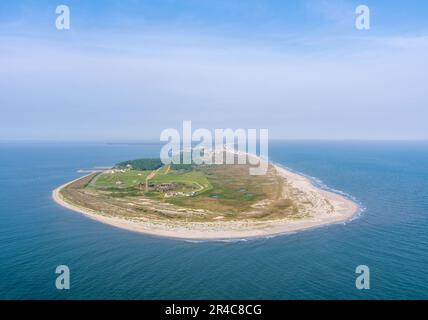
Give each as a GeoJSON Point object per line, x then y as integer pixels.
{"type": "Point", "coordinates": [208, 201]}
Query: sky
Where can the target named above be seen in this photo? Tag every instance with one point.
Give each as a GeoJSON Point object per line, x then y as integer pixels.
{"type": "Point", "coordinates": [128, 69]}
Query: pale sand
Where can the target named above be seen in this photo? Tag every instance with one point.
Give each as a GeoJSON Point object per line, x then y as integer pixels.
{"type": "Point", "coordinates": [344, 209]}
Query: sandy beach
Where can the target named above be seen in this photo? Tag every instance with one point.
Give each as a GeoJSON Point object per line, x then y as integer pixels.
{"type": "Point", "coordinates": [328, 208]}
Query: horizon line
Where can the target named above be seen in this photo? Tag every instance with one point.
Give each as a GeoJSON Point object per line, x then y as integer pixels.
{"type": "Point", "coordinates": [138, 141]}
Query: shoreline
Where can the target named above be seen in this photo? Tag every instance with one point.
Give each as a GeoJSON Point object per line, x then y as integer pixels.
{"type": "Point", "coordinates": [344, 210]}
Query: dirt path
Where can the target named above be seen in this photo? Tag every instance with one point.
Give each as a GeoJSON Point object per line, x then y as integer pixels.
{"type": "Point", "coordinates": [151, 176]}
{"type": "Point", "coordinates": [167, 169]}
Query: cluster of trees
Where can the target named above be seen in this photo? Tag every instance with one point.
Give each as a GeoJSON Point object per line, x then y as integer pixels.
{"type": "Point", "coordinates": [152, 164]}
{"type": "Point", "coordinates": [141, 164]}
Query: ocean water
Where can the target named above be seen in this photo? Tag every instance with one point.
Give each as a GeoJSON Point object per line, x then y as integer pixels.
{"type": "Point", "coordinates": [388, 179]}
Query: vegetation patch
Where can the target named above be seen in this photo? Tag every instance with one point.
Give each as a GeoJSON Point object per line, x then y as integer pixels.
{"type": "Point", "coordinates": [141, 164]}
{"type": "Point", "coordinates": [146, 188]}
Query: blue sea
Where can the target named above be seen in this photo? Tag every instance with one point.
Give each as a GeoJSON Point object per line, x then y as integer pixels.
{"type": "Point", "coordinates": [388, 179]}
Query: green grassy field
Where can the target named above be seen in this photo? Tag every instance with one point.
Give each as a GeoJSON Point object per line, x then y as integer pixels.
{"type": "Point", "coordinates": [231, 189]}
{"type": "Point", "coordinates": [195, 178]}
{"type": "Point", "coordinates": [191, 181]}
{"type": "Point", "coordinates": [120, 180]}
{"type": "Point", "coordinates": [228, 190]}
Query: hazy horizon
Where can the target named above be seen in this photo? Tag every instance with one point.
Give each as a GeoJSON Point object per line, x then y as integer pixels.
{"type": "Point", "coordinates": [126, 70]}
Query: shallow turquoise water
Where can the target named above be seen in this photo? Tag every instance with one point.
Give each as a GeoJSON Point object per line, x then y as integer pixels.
{"type": "Point", "coordinates": [390, 180]}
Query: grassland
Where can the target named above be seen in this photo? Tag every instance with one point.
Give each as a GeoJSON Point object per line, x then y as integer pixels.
{"type": "Point", "coordinates": [199, 193]}
{"type": "Point", "coordinates": [115, 179]}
